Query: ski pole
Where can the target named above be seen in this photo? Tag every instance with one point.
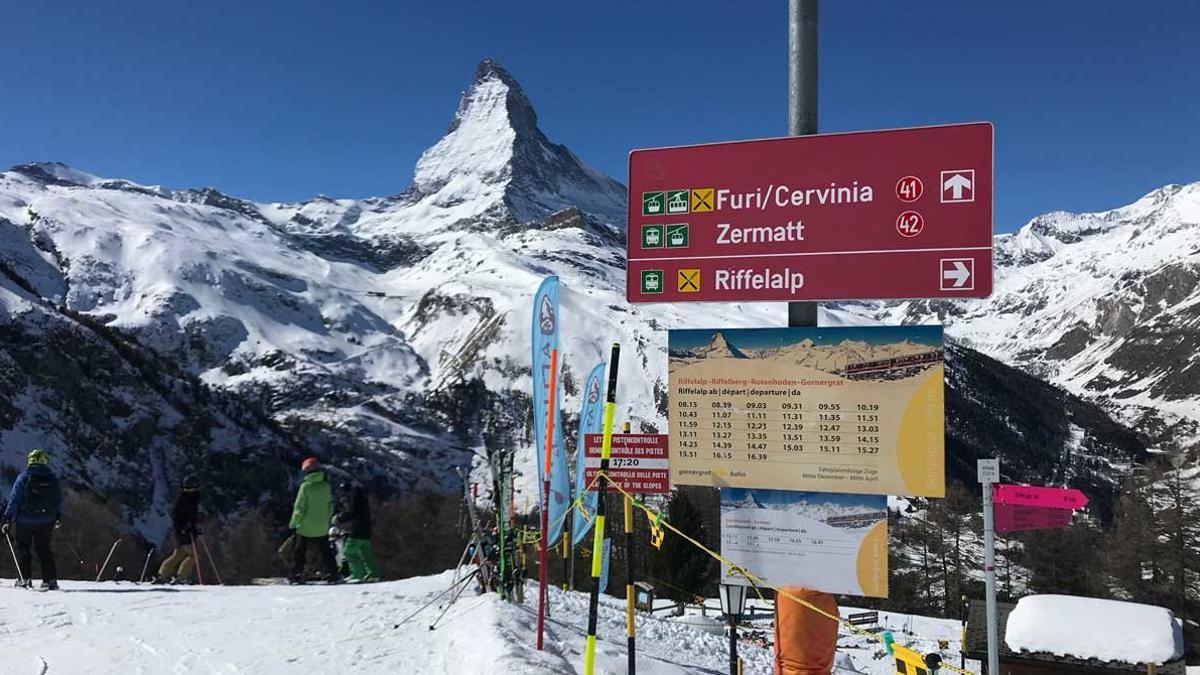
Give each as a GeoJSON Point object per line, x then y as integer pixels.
{"type": "Point", "coordinates": [461, 583]}
{"type": "Point", "coordinates": [199, 571]}
{"type": "Point", "coordinates": [211, 562]}
{"type": "Point", "coordinates": [110, 553]}
{"type": "Point", "coordinates": [75, 553]}
{"type": "Point", "coordinates": [13, 551]}
{"type": "Point", "coordinates": [146, 565]}
{"type": "Point", "coordinates": [461, 561]}
{"type": "Point", "coordinates": [445, 609]}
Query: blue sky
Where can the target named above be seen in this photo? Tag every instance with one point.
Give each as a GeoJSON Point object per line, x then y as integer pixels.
{"type": "Point", "coordinates": [1095, 103]}
{"type": "Point", "coordinates": [767, 338]}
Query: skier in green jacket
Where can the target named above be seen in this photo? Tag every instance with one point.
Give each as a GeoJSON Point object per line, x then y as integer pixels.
{"type": "Point", "coordinates": [310, 523]}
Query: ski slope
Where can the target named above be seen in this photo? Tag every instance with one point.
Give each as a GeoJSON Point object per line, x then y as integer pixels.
{"type": "Point", "coordinates": [126, 628]}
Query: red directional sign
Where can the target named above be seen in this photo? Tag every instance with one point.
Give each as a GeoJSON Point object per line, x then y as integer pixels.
{"type": "Point", "coordinates": [1047, 497]}
{"type": "Point", "coordinates": [1010, 518]}
{"type": "Point", "coordinates": [638, 462]}
{"type": "Point", "coordinates": [905, 213]}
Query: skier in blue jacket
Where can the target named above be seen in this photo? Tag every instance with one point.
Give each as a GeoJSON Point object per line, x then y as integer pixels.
{"type": "Point", "coordinates": [34, 510]}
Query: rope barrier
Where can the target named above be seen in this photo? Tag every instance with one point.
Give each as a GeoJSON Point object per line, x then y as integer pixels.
{"type": "Point", "coordinates": [577, 505]}
{"type": "Point", "coordinates": [758, 583]}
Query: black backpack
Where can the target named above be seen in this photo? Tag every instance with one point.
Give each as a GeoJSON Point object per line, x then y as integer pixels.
{"type": "Point", "coordinates": [39, 497]}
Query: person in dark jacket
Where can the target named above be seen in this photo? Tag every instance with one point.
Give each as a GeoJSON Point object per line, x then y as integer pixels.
{"type": "Point", "coordinates": [178, 567]}
{"type": "Point", "coordinates": [34, 510]}
{"type": "Point", "coordinates": [357, 549]}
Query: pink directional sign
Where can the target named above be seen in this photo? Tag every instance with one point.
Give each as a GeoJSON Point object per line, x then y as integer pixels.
{"type": "Point", "coordinates": [1010, 518]}
{"type": "Point", "coordinates": [1052, 498]}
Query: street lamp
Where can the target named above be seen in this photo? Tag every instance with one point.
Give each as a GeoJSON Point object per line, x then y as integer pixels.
{"type": "Point", "coordinates": [733, 601]}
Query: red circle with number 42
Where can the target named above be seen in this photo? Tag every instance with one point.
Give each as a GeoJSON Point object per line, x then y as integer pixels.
{"type": "Point", "coordinates": [909, 189]}
{"type": "Point", "coordinates": [910, 224]}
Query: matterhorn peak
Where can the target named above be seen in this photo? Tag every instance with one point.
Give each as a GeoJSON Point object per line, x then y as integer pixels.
{"type": "Point", "coordinates": [718, 346]}
{"type": "Point", "coordinates": [483, 99]}
{"type": "Point", "coordinates": [480, 142]}
{"type": "Point", "coordinates": [494, 155]}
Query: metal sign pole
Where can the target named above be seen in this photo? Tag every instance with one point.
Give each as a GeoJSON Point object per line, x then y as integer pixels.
{"type": "Point", "coordinates": [630, 628]}
{"type": "Point", "coordinates": [802, 104]}
{"type": "Point", "coordinates": [989, 474]}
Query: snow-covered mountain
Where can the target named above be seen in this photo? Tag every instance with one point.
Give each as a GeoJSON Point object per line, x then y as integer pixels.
{"type": "Point", "coordinates": [494, 166]}
{"type": "Point", "coordinates": [390, 335]}
{"type": "Point", "coordinates": [813, 509]}
{"type": "Point", "coordinates": [834, 358]}
{"type": "Point", "coordinates": [1104, 304]}
{"type": "Point", "coordinates": [717, 348]}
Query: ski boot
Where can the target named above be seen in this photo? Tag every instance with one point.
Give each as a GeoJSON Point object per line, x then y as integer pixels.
{"type": "Point", "coordinates": [158, 581]}
{"type": "Point", "coordinates": [50, 585]}
{"type": "Point", "coordinates": [24, 583]}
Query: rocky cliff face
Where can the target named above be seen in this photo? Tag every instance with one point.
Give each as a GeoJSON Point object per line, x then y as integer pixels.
{"type": "Point", "coordinates": [122, 421]}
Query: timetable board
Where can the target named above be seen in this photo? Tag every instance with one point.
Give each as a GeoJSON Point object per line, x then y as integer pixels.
{"type": "Point", "coordinates": [821, 541]}
{"type": "Point", "coordinates": [847, 409]}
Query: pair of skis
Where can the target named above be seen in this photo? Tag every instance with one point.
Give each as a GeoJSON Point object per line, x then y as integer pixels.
{"type": "Point", "coordinates": [486, 574]}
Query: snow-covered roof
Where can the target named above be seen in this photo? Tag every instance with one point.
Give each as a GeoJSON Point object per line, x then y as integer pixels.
{"type": "Point", "coordinates": [1089, 628]}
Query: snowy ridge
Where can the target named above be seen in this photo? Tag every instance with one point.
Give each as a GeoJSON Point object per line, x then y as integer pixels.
{"type": "Point", "coordinates": [1104, 304]}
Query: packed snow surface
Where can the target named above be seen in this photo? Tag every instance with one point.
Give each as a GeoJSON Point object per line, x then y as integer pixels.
{"type": "Point", "coordinates": [378, 628]}
{"type": "Point", "coordinates": [1090, 628]}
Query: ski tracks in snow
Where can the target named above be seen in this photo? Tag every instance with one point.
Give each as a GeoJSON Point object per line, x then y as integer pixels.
{"type": "Point", "coordinates": [223, 630]}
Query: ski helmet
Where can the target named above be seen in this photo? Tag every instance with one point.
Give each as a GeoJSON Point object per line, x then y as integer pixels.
{"type": "Point", "coordinates": [190, 482]}
{"type": "Point", "coordinates": [38, 456]}
{"type": "Point", "coordinates": [310, 464]}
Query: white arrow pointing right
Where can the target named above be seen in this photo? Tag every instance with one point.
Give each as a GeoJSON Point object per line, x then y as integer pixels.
{"type": "Point", "coordinates": [959, 275]}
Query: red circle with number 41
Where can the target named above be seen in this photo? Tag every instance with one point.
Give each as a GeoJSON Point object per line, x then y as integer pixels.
{"type": "Point", "coordinates": [909, 189]}
{"type": "Point", "coordinates": [910, 224]}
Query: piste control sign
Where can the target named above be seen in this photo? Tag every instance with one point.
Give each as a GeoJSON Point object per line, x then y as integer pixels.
{"type": "Point", "coordinates": [904, 213]}
{"type": "Point", "coordinates": [638, 462]}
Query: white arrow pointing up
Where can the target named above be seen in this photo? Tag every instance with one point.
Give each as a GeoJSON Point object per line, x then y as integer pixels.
{"type": "Point", "coordinates": [959, 275]}
{"type": "Point", "coordinates": [956, 184]}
